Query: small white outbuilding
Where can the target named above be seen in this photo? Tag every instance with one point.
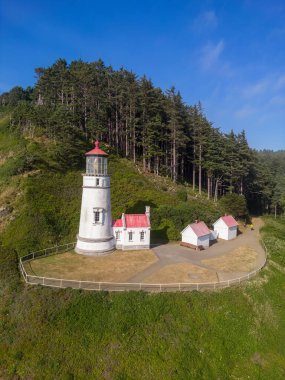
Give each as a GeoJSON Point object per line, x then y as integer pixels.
{"type": "Point", "coordinates": [132, 231]}
{"type": "Point", "coordinates": [226, 227]}
{"type": "Point", "coordinates": [196, 235]}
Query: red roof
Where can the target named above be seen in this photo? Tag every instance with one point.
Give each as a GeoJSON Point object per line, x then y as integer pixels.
{"type": "Point", "coordinates": [136, 220]}
{"type": "Point", "coordinates": [200, 229]}
{"type": "Point", "coordinates": [96, 151]}
{"type": "Point", "coordinates": [132, 221]}
{"type": "Point", "coordinates": [117, 223]}
{"type": "Point", "coordinates": [229, 220]}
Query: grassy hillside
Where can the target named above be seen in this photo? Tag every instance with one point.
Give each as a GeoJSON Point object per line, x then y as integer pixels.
{"type": "Point", "coordinates": [233, 334]}
{"type": "Point", "coordinates": [43, 204]}
{"type": "Point", "coordinates": [237, 333]}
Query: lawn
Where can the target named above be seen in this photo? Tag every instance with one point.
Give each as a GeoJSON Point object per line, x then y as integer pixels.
{"type": "Point", "coordinates": [181, 272]}
{"type": "Point", "coordinates": [116, 267]}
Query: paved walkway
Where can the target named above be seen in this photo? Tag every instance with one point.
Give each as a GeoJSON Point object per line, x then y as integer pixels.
{"type": "Point", "coordinates": [168, 254]}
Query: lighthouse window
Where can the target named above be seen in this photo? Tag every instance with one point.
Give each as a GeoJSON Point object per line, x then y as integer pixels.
{"type": "Point", "coordinates": [97, 181]}
{"type": "Point", "coordinates": [118, 233]}
{"type": "Point", "coordinates": [97, 216]}
{"type": "Point", "coordinates": [130, 236]}
{"type": "Point", "coordinates": [142, 235]}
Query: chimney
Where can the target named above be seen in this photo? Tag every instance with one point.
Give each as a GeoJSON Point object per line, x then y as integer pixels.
{"type": "Point", "coordinates": [123, 220]}
{"type": "Point", "coordinates": [196, 221]}
{"type": "Point", "coordinates": [147, 211]}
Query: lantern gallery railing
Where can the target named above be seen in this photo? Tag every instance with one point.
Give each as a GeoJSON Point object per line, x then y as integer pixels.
{"type": "Point", "coordinates": [118, 286]}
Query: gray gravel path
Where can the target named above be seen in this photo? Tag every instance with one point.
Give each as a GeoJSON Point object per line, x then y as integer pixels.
{"type": "Point", "coordinates": [168, 254]}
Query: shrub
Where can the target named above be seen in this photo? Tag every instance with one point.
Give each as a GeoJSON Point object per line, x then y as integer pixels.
{"type": "Point", "coordinates": [182, 195]}
{"type": "Point", "coordinates": [234, 204]}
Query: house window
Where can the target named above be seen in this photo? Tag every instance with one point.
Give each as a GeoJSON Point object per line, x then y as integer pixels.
{"type": "Point", "coordinates": [142, 234]}
{"type": "Point", "coordinates": [97, 181]}
{"type": "Point", "coordinates": [118, 235]}
{"type": "Point", "coordinates": [130, 236]}
{"type": "Point", "coordinates": [97, 216]}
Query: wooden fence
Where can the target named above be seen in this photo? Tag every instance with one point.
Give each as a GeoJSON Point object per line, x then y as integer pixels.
{"type": "Point", "coordinates": [118, 286]}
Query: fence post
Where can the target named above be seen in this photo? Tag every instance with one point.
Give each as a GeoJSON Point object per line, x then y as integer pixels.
{"type": "Point", "coordinates": [79, 285]}
{"type": "Point", "coordinates": [179, 286]}
{"type": "Point", "coordinates": [160, 287]}
{"type": "Point", "coordinates": [99, 285]}
{"type": "Point", "coordinates": [43, 280]}
{"type": "Point", "coordinates": [228, 283]}
{"type": "Point", "coordinates": [197, 286]}
{"type": "Point", "coordinates": [140, 286]}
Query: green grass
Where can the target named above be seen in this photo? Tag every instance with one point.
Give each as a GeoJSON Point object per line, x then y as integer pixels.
{"type": "Point", "coordinates": [274, 237]}
{"type": "Point", "coordinates": [237, 333]}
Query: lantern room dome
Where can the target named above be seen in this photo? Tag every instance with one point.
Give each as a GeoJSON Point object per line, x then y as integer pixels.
{"type": "Point", "coordinates": [96, 151]}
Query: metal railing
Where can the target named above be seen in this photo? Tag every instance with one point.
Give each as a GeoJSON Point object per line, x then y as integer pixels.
{"type": "Point", "coordinates": [120, 286]}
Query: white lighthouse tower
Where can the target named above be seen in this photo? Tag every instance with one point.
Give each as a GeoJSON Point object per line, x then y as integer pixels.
{"type": "Point", "coordinates": [95, 231]}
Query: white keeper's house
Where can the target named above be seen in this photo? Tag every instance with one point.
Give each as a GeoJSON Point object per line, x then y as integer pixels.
{"type": "Point", "coordinates": [226, 227]}
{"type": "Point", "coordinates": [132, 231]}
{"type": "Point", "coordinates": [196, 235]}
{"type": "Point", "coordinates": [98, 234]}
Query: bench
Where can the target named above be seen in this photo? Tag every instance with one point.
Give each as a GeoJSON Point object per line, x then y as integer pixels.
{"type": "Point", "coordinates": [188, 245]}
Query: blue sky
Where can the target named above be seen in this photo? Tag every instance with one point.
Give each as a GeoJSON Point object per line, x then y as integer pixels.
{"type": "Point", "coordinates": [228, 54]}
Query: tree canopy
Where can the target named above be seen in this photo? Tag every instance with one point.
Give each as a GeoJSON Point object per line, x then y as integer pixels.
{"type": "Point", "coordinates": [73, 104]}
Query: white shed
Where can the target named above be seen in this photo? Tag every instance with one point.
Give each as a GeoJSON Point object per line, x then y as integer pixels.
{"type": "Point", "coordinates": [226, 227]}
{"type": "Point", "coordinates": [196, 234]}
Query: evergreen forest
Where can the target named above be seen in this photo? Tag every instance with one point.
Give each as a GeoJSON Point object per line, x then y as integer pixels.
{"type": "Point", "coordinates": [73, 104]}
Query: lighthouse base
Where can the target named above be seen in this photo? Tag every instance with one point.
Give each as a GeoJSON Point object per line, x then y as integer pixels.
{"type": "Point", "coordinates": [95, 247]}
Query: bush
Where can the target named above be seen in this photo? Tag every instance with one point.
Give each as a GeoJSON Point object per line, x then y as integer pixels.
{"type": "Point", "coordinates": [182, 195]}
{"type": "Point", "coordinates": [234, 204]}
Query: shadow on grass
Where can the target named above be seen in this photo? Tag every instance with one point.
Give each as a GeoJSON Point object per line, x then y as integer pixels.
{"type": "Point", "coordinates": [139, 207]}
{"type": "Point", "coordinates": [159, 236]}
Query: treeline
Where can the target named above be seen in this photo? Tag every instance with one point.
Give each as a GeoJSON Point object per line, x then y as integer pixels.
{"type": "Point", "coordinates": [78, 102]}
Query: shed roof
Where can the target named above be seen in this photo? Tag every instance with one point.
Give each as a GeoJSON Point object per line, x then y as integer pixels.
{"type": "Point", "coordinates": [199, 228]}
{"type": "Point", "coordinates": [229, 220]}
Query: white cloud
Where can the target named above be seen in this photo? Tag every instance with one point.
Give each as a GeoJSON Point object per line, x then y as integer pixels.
{"type": "Point", "coordinates": [245, 112]}
{"type": "Point", "coordinates": [210, 54]}
{"type": "Point", "coordinates": [204, 21]}
{"type": "Point", "coordinates": [277, 101]}
{"type": "Point", "coordinates": [210, 19]}
{"type": "Point", "coordinates": [280, 82]}
{"type": "Point", "coordinates": [266, 87]}
{"type": "Point", "coordinates": [255, 89]}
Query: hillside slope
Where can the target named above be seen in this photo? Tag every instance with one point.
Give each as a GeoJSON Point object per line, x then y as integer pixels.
{"type": "Point", "coordinates": [46, 207]}
{"type": "Point", "coordinates": [236, 333]}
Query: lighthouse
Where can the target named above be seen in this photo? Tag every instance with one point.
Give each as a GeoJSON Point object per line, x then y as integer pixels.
{"type": "Point", "coordinates": [95, 235]}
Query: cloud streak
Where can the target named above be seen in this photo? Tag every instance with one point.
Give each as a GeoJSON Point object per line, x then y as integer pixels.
{"type": "Point", "coordinates": [210, 54]}
{"type": "Point", "coordinates": [256, 89]}
{"type": "Point", "coordinates": [206, 20]}
{"type": "Point", "coordinates": [280, 82]}
{"type": "Point", "coordinates": [245, 112]}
